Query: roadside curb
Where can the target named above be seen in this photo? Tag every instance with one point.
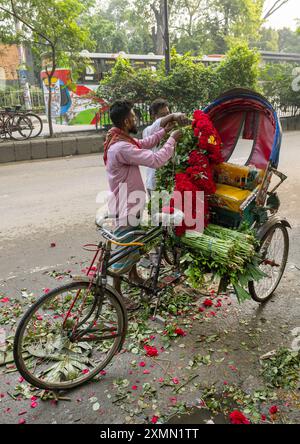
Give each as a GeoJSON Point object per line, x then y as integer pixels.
{"type": "Point", "coordinates": [51, 148]}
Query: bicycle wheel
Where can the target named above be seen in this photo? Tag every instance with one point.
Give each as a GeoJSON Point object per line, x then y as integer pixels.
{"type": "Point", "coordinates": [3, 127]}
{"type": "Point", "coordinates": [36, 123]}
{"type": "Point", "coordinates": [19, 127]}
{"type": "Point", "coordinates": [69, 335]}
{"type": "Point", "coordinates": [274, 249]}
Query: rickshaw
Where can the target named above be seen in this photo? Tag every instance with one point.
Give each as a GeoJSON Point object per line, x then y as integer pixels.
{"type": "Point", "coordinates": [243, 191]}
{"type": "Point", "coordinates": [71, 334]}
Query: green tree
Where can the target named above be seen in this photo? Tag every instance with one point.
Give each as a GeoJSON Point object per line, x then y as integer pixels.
{"type": "Point", "coordinates": [105, 34]}
{"type": "Point", "coordinates": [269, 40]}
{"type": "Point", "coordinates": [278, 85]}
{"type": "Point", "coordinates": [289, 41]}
{"type": "Point", "coordinates": [141, 85]}
{"type": "Point", "coordinates": [240, 68]}
{"type": "Point", "coordinates": [53, 31]}
{"type": "Point", "coordinates": [189, 85]}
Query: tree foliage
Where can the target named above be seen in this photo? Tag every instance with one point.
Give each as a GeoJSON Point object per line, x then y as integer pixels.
{"type": "Point", "coordinates": [188, 86]}
{"type": "Point", "coordinates": [52, 30]}
{"type": "Point", "coordinates": [281, 84]}
{"type": "Point", "coordinates": [196, 26]}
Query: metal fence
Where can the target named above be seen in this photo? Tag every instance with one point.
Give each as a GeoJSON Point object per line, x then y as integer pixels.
{"type": "Point", "coordinates": [288, 111]}
{"type": "Point", "coordinates": [143, 115]}
{"type": "Point", "coordinates": [10, 98]}
{"type": "Point", "coordinates": [141, 111]}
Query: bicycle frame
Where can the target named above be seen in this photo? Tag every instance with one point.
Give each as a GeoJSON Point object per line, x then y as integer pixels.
{"type": "Point", "coordinates": [105, 260]}
{"type": "Point", "coordinates": [110, 258]}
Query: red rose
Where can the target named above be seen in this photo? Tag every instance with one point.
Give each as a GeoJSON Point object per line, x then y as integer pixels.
{"type": "Point", "coordinates": [180, 332]}
{"type": "Point", "coordinates": [196, 132]}
{"type": "Point", "coordinates": [207, 303]}
{"type": "Point", "coordinates": [4, 300]}
{"type": "Point", "coordinates": [273, 410]}
{"type": "Point", "coordinates": [237, 417]}
{"type": "Point", "coordinates": [150, 351]}
{"type": "Point", "coordinates": [179, 231]}
{"type": "Point", "coordinates": [154, 419]}
{"type": "Point", "coordinates": [198, 114]}
{"type": "Point", "coordinates": [197, 158]}
{"type": "Point", "coordinates": [216, 157]}
{"type": "Point", "coordinates": [263, 417]}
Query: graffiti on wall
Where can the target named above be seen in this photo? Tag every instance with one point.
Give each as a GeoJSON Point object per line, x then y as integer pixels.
{"type": "Point", "coordinates": [71, 104]}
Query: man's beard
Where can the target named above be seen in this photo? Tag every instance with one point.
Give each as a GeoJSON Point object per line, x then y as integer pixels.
{"type": "Point", "coordinates": [133, 129]}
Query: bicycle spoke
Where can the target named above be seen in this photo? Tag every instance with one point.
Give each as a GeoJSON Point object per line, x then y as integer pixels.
{"type": "Point", "coordinates": [272, 265]}
{"type": "Point", "coordinates": [56, 351]}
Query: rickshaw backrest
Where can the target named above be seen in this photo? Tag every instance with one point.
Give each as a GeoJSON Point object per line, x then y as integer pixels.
{"type": "Point", "coordinates": [246, 114]}
{"type": "Point", "coordinates": [240, 176]}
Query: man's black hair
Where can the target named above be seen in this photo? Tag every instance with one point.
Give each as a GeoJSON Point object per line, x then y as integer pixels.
{"type": "Point", "coordinates": [157, 105]}
{"type": "Point", "coordinates": [119, 111]}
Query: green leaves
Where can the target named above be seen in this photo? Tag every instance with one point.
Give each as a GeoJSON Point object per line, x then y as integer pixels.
{"type": "Point", "coordinates": [189, 85]}
{"type": "Point", "coordinates": [56, 24]}
{"type": "Point", "coordinates": [282, 369]}
{"type": "Point", "coordinates": [278, 85]}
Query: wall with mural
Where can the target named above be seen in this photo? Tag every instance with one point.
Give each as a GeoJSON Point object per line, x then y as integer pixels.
{"type": "Point", "coordinates": [72, 104]}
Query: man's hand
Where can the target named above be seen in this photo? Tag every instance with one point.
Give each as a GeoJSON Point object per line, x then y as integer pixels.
{"type": "Point", "coordinates": [181, 119]}
{"type": "Point", "coordinates": [170, 126]}
{"type": "Point", "coordinates": [176, 135]}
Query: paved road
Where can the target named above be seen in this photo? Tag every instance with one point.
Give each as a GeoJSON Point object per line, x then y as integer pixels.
{"type": "Point", "coordinates": [50, 201]}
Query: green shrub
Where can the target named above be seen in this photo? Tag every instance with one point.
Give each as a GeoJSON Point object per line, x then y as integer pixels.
{"type": "Point", "coordinates": [189, 85]}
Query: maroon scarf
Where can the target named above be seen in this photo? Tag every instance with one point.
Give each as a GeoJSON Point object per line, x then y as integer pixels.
{"type": "Point", "coordinates": [117, 135]}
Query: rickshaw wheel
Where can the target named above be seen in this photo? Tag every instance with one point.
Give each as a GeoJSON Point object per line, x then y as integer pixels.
{"type": "Point", "coordinates": [274, 248]}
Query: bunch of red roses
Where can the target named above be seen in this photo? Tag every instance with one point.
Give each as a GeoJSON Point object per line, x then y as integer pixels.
{"type": "Point", "coordinates": [208, 137]}
{"type": "Point", "coordinates": [199, 175]}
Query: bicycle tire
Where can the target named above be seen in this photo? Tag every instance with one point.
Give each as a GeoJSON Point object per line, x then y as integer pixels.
{"type": "Point", "coordinates": [252, 285]}
{"type": "Point", "coordinates": [21, 364]}
{"type": "Point", "coordinates": [39, 123]}
{"type": "Point", "coordinates": [14, 127]}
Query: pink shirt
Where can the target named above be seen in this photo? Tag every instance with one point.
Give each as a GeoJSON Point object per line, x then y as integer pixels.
{"type": "Point", "coordinates": [123, 161]}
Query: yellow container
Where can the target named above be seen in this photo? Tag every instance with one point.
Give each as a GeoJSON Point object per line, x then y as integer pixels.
{"type": "Point", "coordinates": [241, 176]}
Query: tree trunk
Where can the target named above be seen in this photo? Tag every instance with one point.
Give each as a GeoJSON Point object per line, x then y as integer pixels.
{"type": "Point", "coordinates": [22, 70]}
{"type": "Point", "coordinates": [158, 36]}
{"type": "Point", "coordinates": [50, 76]}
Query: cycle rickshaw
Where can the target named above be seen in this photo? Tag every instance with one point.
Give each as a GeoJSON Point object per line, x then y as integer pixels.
{"type": "Point", "coordinates": [70, 334]}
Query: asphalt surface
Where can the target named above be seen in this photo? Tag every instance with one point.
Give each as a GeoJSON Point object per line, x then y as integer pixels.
{"type": "Point", "coordinates": [54, 202]}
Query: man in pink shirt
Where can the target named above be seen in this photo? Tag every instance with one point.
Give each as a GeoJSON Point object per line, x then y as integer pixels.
{"type": "Point", "coordinates": [122, 156]}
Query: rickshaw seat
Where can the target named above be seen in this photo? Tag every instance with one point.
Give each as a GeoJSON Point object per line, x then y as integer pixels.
{"type": "Point", "coordinates": [235, 183]}
{"type": "Point", "coordinates": [230, 198]}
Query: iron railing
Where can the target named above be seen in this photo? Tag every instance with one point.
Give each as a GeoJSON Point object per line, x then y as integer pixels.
{"type": "Point", "coordinates": [12, 97]}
